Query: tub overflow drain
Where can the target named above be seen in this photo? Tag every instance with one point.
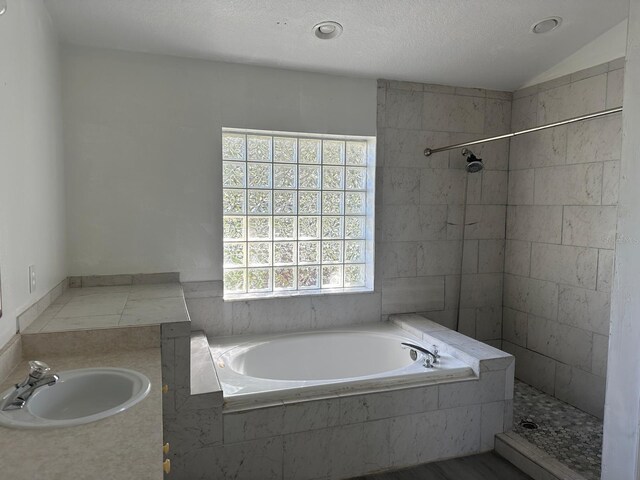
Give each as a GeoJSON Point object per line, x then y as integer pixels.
{"type": "Point", "coordinates": [528, 424]}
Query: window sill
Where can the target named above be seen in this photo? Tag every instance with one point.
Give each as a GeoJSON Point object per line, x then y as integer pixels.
{"type": "Point", "coordinates": [294, 294]}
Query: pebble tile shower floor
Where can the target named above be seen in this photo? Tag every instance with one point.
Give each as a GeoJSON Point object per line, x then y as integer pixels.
{"type": "Point", "coordinates": [564, 432]}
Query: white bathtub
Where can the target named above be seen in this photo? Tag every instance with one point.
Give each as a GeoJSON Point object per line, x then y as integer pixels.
{"type": "Point", "coordinates": [325, 362]}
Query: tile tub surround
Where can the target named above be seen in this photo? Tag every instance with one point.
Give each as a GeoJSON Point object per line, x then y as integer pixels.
{"type": "Point", "coordinates": [211, 314]}
{"type": "Point", "coordinates": [342, 436]}
{"type": "Point", "coordinates": [195, 420]}
{"type": "Point", "coordinates": [124, 446]}
{"type": "Point", "coordinates": [561, 228]}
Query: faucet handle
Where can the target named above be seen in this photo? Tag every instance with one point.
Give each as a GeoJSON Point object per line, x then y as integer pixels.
{"type": "Point", "coordinates": [38, 369]}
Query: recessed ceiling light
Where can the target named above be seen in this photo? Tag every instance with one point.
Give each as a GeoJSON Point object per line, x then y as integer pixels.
{"type": "Point", "coordinates": [327, 30]}
{"type": "Point", "coordinates": [546, 25]}
{"type": "Point", "coordinates": [3, 7]}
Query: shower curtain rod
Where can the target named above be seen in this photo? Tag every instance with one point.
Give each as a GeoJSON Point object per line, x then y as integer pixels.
{"type": "Point", "coordinates": [602, 113]}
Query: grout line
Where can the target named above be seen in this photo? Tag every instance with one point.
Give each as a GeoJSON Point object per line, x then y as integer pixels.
{"type": "Point", "coordinates": [566, 141]}
{"type": "Point", "coordinates": [562, 226]}
{"type": "Point", "coordinates": [559, 284]}
{"type": "Point", "coordinates": [533, 196]}
{"type": "Point", "coordinates": [597, 270]}
{"type": "Point", "coordinates": [606, 89]}
{"type": "Point", "coordinates": [602, 183]}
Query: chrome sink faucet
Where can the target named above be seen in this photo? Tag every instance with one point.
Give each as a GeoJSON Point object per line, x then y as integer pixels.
{"type": "Point", "coordinates": [429, 357]}
{"type": "Point", "coordinates": [38, 377]}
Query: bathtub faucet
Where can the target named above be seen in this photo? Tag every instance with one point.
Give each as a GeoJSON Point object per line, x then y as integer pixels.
{"type": "Point", "coordinates": [429, 357]}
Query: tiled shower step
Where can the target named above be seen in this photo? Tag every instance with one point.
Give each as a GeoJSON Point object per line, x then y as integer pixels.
{"type": "Point", "coordinates": [530, 459]}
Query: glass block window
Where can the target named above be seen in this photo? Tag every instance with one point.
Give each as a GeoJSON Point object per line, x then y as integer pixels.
{"type": "Point", "coordinates": [297, 213]}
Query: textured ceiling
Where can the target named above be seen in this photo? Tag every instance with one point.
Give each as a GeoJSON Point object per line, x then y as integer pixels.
{"type": "Point", "coordinates": [482, 43]}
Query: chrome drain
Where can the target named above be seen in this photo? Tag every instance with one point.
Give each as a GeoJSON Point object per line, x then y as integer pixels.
{"type": "Point", "coordinates": [528, 424]}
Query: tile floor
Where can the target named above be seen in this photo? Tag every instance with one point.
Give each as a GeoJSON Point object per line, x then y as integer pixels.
{"type": "Point", "coordinates": [564, 432]}
{"type": "Point", "coordinates": [487, 466]}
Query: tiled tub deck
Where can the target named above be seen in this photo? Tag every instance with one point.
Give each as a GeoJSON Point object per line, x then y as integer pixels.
{"type": "Point", "coordinates": [347, 434]}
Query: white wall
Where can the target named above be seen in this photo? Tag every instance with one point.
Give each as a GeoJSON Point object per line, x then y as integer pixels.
{"type": "Point", "coordinates": [609, 46]}
{"type": "Point", "coordinates": [621, 446]}
{"type": "Point", "coordinates": [143, 150]}
{"type": "Point", "coordinates": [32, 214]}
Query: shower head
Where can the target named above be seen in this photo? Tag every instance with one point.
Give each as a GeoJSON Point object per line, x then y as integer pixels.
{"type": "Point", "coordinates": [474, 164]}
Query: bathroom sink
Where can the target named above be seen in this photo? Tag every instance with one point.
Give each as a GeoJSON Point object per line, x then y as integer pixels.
{"type": "Point", "coordinates": [79, 397]}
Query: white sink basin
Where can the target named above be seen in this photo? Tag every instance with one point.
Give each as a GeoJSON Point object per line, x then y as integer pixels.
{"type": "Point", "coordinates": [79, 396]}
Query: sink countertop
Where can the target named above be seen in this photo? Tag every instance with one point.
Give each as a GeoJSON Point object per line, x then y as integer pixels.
{"type": "Point", "coordinates": [96, 308]}
{"type": "Point", "coordinates": [126, 446]}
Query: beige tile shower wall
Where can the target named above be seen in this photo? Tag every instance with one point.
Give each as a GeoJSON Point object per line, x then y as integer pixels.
{"type": "Point", "coordinates": [420, 205]}
{"type": "Point", "coordinates": [560, 238]}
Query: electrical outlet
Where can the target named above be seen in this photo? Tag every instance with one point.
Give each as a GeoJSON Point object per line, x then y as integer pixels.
{"type": "Point", "coordinates": [32, 278]}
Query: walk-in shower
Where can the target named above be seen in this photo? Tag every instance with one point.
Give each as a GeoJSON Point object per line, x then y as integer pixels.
{"type": "Point", "coordinates": [556, 411]}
